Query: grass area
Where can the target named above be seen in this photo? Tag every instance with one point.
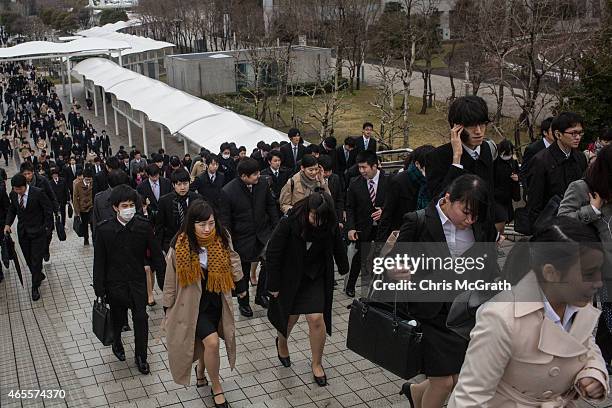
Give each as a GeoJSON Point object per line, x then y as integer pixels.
{"type": "Point", "coordinates": [429, 128]}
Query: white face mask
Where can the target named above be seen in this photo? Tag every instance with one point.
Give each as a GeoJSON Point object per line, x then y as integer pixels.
{"type": "Point", "coordinates": [127, 213]}
{"type": "Point", "coordinates": [225, 156]}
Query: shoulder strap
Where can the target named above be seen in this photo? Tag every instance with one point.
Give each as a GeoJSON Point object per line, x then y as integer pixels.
{"type": "Point", "coordinates": [292, 186]}
{"type": "Point", "coordinates": [420, 221]}
{"type": "Point", "coordinates": [493, 148]}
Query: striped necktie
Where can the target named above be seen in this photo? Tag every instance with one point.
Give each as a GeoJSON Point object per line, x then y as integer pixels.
{"type": "Point", "coordinates": [372, 191]}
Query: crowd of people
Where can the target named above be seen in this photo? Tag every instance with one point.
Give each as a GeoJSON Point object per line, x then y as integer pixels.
{"type": "Point", "coordinates": [281, 219]}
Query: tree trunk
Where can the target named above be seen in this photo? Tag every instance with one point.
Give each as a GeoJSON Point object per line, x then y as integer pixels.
{"type": "Point", "coordinates": [500, 104]}
{"type": "Point", "coordinates": [424, 105]}
{"type": "Point", "coordinates": [430, 93]}
{"type": "Point", "coordinates": [358, 73]}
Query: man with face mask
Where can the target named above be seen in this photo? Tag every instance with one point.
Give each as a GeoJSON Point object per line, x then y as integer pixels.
{"type": "Point", "coordinates": [83, 201]}
{"type": "Point", "coordinates": [120, 249]}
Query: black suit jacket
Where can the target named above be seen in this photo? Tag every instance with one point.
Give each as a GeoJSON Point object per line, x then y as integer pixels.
{"type": "Point", "coordinates": [250, 217]}
{"type": "Point", "coordinates": [359, 207]}
{"type": "Point", "coordinates": [338, 193]}
{"type": "Point", "coordinates": [145, 190]}
{"type": "Point", "coordinates": [36, 219]}
{"type": "Point", "coordinates": [69, 175]}
{"type": "Point", "coordinates": [287, 153]}
{"type": "Point", "coordinates": [360, 146]}
{"type": "Point", "coordinates": [61, 190]}
{"type": "Point", "coordinates": [429, 240]}
{"type": "Point", "coordinates": [211, 192]}
{"type": "Point", "coordinates": [165, 225]}
{"type": "Point", "coordinates": [530, 151]}
{"type": "Point", "coordinates": [341, 163]}
{"type": "Point", "coordinates": [276, 183]}
{"type": "Point", "coordinates": [401, 198]}
{"type": "Point", "coordinates": [441, 172]}
{"type": "Point", "coordinates": [100, 180]}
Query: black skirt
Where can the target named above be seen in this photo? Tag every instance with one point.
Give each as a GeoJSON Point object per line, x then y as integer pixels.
{"type": "Point", "coordinates": [209, 315]}
{"type": "Point", "coordinates": [443, 351]}
{"type": "Point", "coordinates": [310, 297]}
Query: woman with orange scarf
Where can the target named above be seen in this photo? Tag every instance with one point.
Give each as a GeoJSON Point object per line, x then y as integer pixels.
{"type": "Point", "coordinates": [202, 270]}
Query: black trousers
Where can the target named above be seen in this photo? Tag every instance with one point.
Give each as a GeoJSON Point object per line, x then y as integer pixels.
{"type": "Point", "coordinates": [33, 251]}
{"type": "Point", "coordinates": [356, 262]}
{"type": "Point", "coordinates": [86, 220]}
{"type": "Point", "coordinates": [62, 211]}
{"type": "Point", "coordinates": [262, 282]}
{"type": "Point", "coordinates": [5, 154]}
{"type": "Point", "coordinates": [130, 295]}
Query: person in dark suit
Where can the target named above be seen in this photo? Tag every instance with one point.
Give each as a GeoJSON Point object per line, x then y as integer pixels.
{"type": "Point", "coordinates": [172, 209]}
{"type": "Point", "coordinates": [336, 187]}
{"type": "Point", "coordinates": [364, 206]}
{"type": "Point", "coordinates": [34, 211]}
{"type": "Point", "coordinates": [293, 152]}
{"type": "Point", "coordinates": [407, 192]}
{"type": "Point", "coordinates": [61, 191]}
{"type": "Point", "coordinates": [100, 175]}
{"type": "Point", "coordinates": [460, 222]}
{"type": "Point", "coordinates": [210, 183]}
{"type": "Point", "coordinates": [548, 138]}
{"type": "Point", "coordinates": [275, 175]}
{"type": "Point", "coordinates": [345, 156]}
{"type": "Point", "coordinates": [250, 213]}
{"type": "Point", "coordinates": [328, 147]}
{"type": "Point", "coordinates": [121, 247]}
{"type": "Point", "coordinates": [70, 172]}
{"type": "Point", "coordinates": [366, 141]}
{"type": "Point", "coordinates": [554, 168]}
{"type": "Point", "coordinates": [467, 151]}
{"type": "Point", "coordinates": [153, 189]}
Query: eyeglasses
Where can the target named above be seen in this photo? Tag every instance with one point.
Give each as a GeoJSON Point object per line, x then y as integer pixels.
{"type": "Point", "coordinates": [574, 134]}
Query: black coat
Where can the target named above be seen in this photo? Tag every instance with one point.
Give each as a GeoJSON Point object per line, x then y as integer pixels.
{"type": "Point", "coordinates": [530, 152]}
{"type": "Point", "coordinates": [412, 235]}
{"type": "Point", "coordinates": [145, 190]}
{"type": "Point", "coordinates": [287, 153]}
{"type": "Point", "coordinates": [285, 267]}
{"type": "Point", "coordinates": [551, 172]}
{"type": "Point", "coordinates": [36, 218]}
{"type": "Point", "coordinates": [211, 192]}
{"type": "Point", "coordinates": [360, 145]}
{"type": "Point", "coordinates": [506, 189]}
{"type": "Point", "coordinates": [249, 217]}
{"type": "Point", "coordinates": [120, 251]}
{"type": "Point", "coordinates": [338, 193]}
{"type": "Point", "coordinates": [276, 183]}
{"type": "Point", "coordinates": [359, 207]}
{"type": "Point", "coordinates": [165, 225]}
{"type": "Point", "coordinates": [401, 198]}
{"type": "Point", "coordinates": [44, 184]}
{"type": "Point", "coordinates": [100, 180]}
{"type": "Point", "coordinates": [441, 172]}
{"type": "Point", "coordinates": [69, 175]}
{"type": "Point", "coordinates": [5, 203]}
{"type": "Point", "coordinates": [342, 164]}
{"type": "Point", "coordinates": [61, 190]}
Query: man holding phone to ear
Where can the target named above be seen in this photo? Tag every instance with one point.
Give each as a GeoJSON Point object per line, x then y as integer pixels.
{"type": "Point", "coordinates": [468, 152]}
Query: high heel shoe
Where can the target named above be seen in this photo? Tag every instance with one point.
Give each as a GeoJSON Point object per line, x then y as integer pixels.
{"type": "Point", "coordinates": [224, 404]}
{"type": "Point", "coordinates": [285, 361]}
{"type": "Point", "coordinates": [408, 393]}
{"type": "Point", "coordinates": [198, 385]}
{"type": "Point", "coordinates": [253, 282]}
{"type": "Point", "coordinates": [321, 381]}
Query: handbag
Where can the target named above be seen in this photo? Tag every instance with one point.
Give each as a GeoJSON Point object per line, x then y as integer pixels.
{"type": "Point", "coordinates": [461, 317]}
{"type": "Point", "coordinates": [77, 226]}
{"type": "Point", "coordinates": [59, 229]}
{"type": "Point", "coordinates": [377, 333]}
{"type": "Point", "coordinates": [101, 322]}
{"type": "Point", "coordinates": [70, 210]}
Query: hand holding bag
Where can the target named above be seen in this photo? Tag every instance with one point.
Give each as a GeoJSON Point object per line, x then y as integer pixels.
{"type": "Point", "coordinates": [77, 226]}
{"type": "Point", "coordinates": [101, 322]}
{"type": "Point", "coordinates": [70, 210]}
{"type": "Point", "coordinates": [59, 228]}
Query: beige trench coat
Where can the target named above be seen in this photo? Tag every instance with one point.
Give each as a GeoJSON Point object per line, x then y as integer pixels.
{"type": "Point", "coordinates": [517, 358]}
{"type": "Point", "coordinates": [182, 316]}
{"type": "Point", "coordinates": [289, 196]}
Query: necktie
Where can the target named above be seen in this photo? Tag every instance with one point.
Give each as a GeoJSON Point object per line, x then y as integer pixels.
{"type": "Point", "coordinates": [276, 174]}
{"type": "Point", "coordinates": [365, 143]}
{"type": "Point", "coordinates": [156, 191]}
{"type": "Point", "coordinates": [372, 191]}
{"type": "Point", "coordinates": [346, 155]}
{"type": "Point", "coordinates": [475, 155]}
{"type": "Point", "coordinates": [295, 153]}
{"type": "Point", "coordinates": [250, 187]}
{"type": "Point", "coordinates": [73, 169]}
{"type": "Point", "coordinates": [212, 179]}
{"type": "Point", "coordinates": [22, 201]}
{"type": "Point", "coordinates": [182, 204]}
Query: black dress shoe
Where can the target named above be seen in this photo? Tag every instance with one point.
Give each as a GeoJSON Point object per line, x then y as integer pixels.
{"type": "Point", "coordinates": [47, 257]}
{"type": "Point", "coordinates": [224, 404]}
{"type": "Point", "coordinates": [125, 328]}
{"type": "Point", "coordinates": [285, 361]}
{"type": "Point", "coordinates": [408, 393]}
{"type": "Point", "coordinates": [321, 381]}
{"type": "Point", "coordinates": [262, 301]}
{"type": "Point", "coordinates": [142, 365]}
{"type": "Point", "coordinates": [350, 292]}
{"type": "Point", "coordinates": [245, 310]}
{"type": "Point", "coordinates": [119, 351]}
{"type": "Point", "coordinates": [35, 294]}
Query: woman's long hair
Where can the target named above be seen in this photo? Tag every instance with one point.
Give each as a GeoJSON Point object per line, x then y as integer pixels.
{"type": "Point", "coordinates": [198, 211]}
{"type": "Point", "coordinates": [322, 204]}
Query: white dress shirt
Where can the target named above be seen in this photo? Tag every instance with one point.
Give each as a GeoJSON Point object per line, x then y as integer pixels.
{"type": "Point", "coordinates": [568, 316]}
{"type": "Point", "coordinates": [458, 240]}
{"type": "Point", "coordinates": [203, 255]}
{"type": "Point", "coordinates": [25, 197]}
{"type": "Point", "coordinates": [474, 154]}
{"type": "Point", "coordinates": [546, 143]}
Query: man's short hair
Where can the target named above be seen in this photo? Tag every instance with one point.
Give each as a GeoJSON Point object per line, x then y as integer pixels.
{"type": "Point", "coordinates": [468, 111]}
{"type": "Point", "coordinates": [88, 172]}
{"type": "Point", "coordinates": [367, 156]}
{"type": "Point", "coordinates": [117, 177]}
{"type": "Point", "coordinates": [152, 170]}
{"type": "Point", "coordinates": [18, 180]}
{"type": "Point", "coordinates": [26, 166]}
{"type": "Point", "coordinates": [123, 193]}
{"type": "Point", "coordinates": [212, 158]}
{"type": "Point", "coordinates": [180, 176]}
{"type": "Point", "coordinates": [367, 124]}
{"type": "Point", "coordinates": [274, 153]}
{"type": "Point", "coordinates": [247, 166]}
{"type": "Point", "coordinates": [325, 161]}
{"type": "Point", "coordinates": [349, 141]}
{"type": "Point", "coordinates": [566, 120]}
{"type": "Point", "coordinates": [545, 126]}
{"type": "Point", "coordinates": [112, 163]}
{"type": "Point", "coordinates": [293, 132]}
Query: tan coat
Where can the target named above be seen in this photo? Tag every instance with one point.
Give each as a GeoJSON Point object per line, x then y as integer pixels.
{"type": "Point", "coordinates": [289, 196]}
{"type": "Point", "coordinates": [199, 167]}
{"type": "Point", "coordinates": [82, 197]}
{"type": "Point", "coordinates": [517, 358]}
{"type": "Point", "coordinates": [182, 316]}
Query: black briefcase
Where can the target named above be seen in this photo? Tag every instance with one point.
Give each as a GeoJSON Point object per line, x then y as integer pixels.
{"type": "Point", "coordinates": [378, 333]}
{"type": "Point", "coordinates": [70, 210]}
{"type": "Point", "coordinates": [77, 226]}
{"type": "Point", "coordinates": [59, 228]}
{"type": "Point", "coordinates": [101, 322]}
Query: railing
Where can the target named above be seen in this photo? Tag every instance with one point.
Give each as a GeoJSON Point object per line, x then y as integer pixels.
{"type": "Point", "coordinates": [393, 160]}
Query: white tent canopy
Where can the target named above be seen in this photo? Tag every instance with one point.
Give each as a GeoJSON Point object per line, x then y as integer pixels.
{"type": "Point", "coordinates": [83, 46]}
{"type": "Point", "coordinates": [108, 28]}
{"type": "Point", "coordinates": [203, 123]}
